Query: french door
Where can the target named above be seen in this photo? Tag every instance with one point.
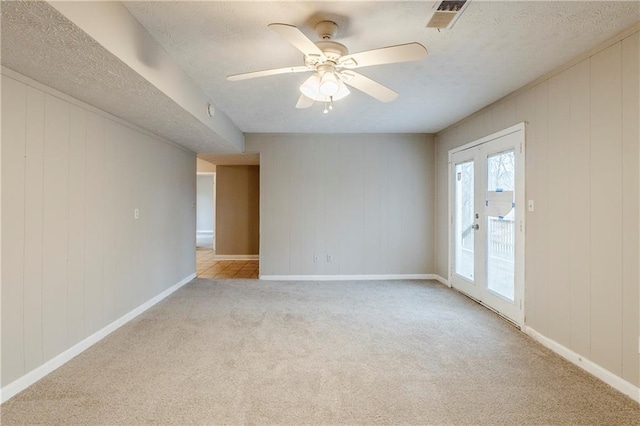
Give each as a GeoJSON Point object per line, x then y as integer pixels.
{"type": "Point", "coordinates": [486, 199]}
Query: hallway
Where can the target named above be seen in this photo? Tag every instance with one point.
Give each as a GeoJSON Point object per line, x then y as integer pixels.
{"type": "Point", "coordinates": [208, 267]}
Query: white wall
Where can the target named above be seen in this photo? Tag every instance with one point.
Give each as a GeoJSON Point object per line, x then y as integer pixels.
{"type": "Point", "coordinates": [205, 203]}
{"type": "Point", "coordinates": [367, 200]}
{"type": "Point", "coordinates": [582, 161]}
{"type": "Point", "coordinates": [74, 258]}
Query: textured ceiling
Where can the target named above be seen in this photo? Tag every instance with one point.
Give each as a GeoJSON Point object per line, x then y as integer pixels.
{"type": "Point", "coordinates": [494, 48]}
{"type": "Point", "coordinates": [40, 43]}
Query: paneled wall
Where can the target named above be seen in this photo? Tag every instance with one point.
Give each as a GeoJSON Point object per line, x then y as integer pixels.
{"type": "Point", "coordinates": [365, 200]}
{"type": "Point", "coordinates": [237, 210]}
{"type": "Point", "coordinates": [582, 161]}
{"type": "Point", "coordinates": [74, 259]}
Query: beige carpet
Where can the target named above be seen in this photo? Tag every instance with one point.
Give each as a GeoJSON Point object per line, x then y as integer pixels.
{"type": "Point", "coordinates": [379, 352]}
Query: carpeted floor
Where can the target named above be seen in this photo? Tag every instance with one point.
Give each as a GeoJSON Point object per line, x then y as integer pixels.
{"type": "Point", "coordinates": [378, 352]}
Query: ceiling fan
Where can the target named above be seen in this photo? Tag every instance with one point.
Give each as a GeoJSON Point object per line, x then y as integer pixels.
{"type": "Point", "coordinates": [333, 66]}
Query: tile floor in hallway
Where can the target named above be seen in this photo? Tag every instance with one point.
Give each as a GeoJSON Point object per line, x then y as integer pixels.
{"type": "Point", "coordinates": [208, 267]}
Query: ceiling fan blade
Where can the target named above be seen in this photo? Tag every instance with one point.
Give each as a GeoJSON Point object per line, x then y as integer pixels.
{"type": "Point", "coordinates": [385, 55]}
{"type": "Point", "coordinates": [370, 87]}
{"type": "Point", "coordinates": [264, 73]}
{"type": "Point", "coordinates": [304, 102]}
{"type": "Point", "coordinates": [300, 41]}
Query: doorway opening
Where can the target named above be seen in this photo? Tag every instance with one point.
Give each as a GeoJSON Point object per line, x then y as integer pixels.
{"type": "Point", "coordinates": [486, 228]}
{"type": "Point", "coordinates": [231, 249]}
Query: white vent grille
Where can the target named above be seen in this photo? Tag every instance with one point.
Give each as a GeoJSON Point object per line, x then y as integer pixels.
{"type": "Point", "coordinates": [445, 13]}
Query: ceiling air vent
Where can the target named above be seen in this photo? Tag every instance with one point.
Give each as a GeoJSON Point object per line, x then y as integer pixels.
{"type": "Point", "coordinates": [445, 13]}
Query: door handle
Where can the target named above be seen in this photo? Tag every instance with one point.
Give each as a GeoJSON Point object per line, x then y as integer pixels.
{"type": "Point", "coordinates": [475, 227]}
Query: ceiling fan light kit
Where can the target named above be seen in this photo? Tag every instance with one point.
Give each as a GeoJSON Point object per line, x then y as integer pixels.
{"type": "Point", "coordinates": [312, 89]}
{"type": "Point", "coordinates": [332, 66]}
{"type": "Point", "coordinates": [329, 84]}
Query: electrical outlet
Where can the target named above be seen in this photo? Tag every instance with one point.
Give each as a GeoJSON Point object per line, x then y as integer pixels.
{"type": "Point", "coordinates": [316, 258]}
{"type": "Point", "coordinates": [136, 213]}
{"type": "Point", "coordinates": [329, 258]}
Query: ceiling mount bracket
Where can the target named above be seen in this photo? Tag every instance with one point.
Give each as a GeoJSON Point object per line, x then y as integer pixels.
{"type": "Point", "coordinates": [326, 30]}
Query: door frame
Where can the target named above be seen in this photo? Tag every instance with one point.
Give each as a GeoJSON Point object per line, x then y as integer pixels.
{"type": "Point", "coordinates": [520, 214]}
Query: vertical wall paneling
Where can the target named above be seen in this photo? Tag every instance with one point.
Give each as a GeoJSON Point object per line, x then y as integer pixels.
{"type": "Point", "coordinates": [160, 202]}
{"type": "Point", "coordinates": [342, 226]}
{"type": "Point", "coordinates": [128, 235]}
{"type": "Point", "coordinates": [364, 200]}
{"type": "Point", "coordinates": [385, 190]}
{"type": "Point", "coordinates": [14, 99]}
{"type": "Point", "coordinates": [558, 220]}
{"type": "Point", "coordinates": [33, 215]}
{"type": "Point", "coordinates": [77, 224]}
{"type": "Point", "coordinates": [268, 207]}
{"type": "Point", "coordinates": [303, 159]}
{"type": "Point", "coordinates": [155, 201]}
{"type": "Point", "coordinates": [372, 202]}
{"type": "Point", "coordinates": [55, 227]}
{"type": "Point", "coordinates": [395, 169]}
{"type": "Point", "coordinates": [582, 246]}
{"type": "Point", "coordinates": [417, 196]}
{"type": "Point", "coordinates": [505, 115]}
{"type": "Point", "coordinates": [354, 242]}
{"type": "Point", "coordinates": [538, 315]}
{"type": "Point", "coordinates": [630, 208]}
{"type": "Point", "coordinates": [94, 222]}
{"type": "Point", "coordinates": [74, 259]}
{"type": "Point", "coordinates": [123, 214]}
{"type": "Point", "coordinates": [580, 207]}
{"type": "Point", "coordinates": [333, 208]}
{"type": "Point", "coordinates": [109, 262]}
{"type": "Point", "coordinates": [297, 213]}
{"type": "Point", "coordinates": [606, 209]}
{"type": "Point", "coordinates": [430, 202]}
{"type": "Point", "coordinates": [185, 235]}
{"type": "Point", "coordinates": [281, 200]}
{"type": "Point", "coordinates": [320, 206]}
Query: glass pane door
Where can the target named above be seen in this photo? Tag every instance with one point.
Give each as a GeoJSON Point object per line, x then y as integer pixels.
{"type": "Point", "coordinates": [500, 209]}
{"type": "Point", "coordinates": [487, 221]}
{"type": "Point", "coordinates": [464, 220]}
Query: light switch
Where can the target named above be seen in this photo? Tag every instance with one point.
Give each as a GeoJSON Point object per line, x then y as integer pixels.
{"type": "Point", "coordinates": [530, 205]}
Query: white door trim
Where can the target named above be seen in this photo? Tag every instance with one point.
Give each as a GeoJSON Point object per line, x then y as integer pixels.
{"type": "Point", "coordinates": [496, 135]}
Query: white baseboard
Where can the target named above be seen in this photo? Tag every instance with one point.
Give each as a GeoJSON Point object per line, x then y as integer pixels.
{"type": "Point", "coordinates": [205, 232]}
{"type": "Point", "coordinates": [236, 257]}
{"type": "Point", "coordinates": [33, 376]}
{"type": "Point", "coordinates": [347, 277]}
{"type": "Point", "coordinates": [601, 373]}
{"type": "Point", "coordinates": [442, 280]}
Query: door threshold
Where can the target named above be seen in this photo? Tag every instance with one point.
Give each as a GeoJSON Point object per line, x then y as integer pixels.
{"type": "Point", "coordinates": [479, 302]}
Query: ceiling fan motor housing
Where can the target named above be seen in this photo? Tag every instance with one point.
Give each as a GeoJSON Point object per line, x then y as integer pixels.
{"type": "Point", "coordinates": [332, 51]}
